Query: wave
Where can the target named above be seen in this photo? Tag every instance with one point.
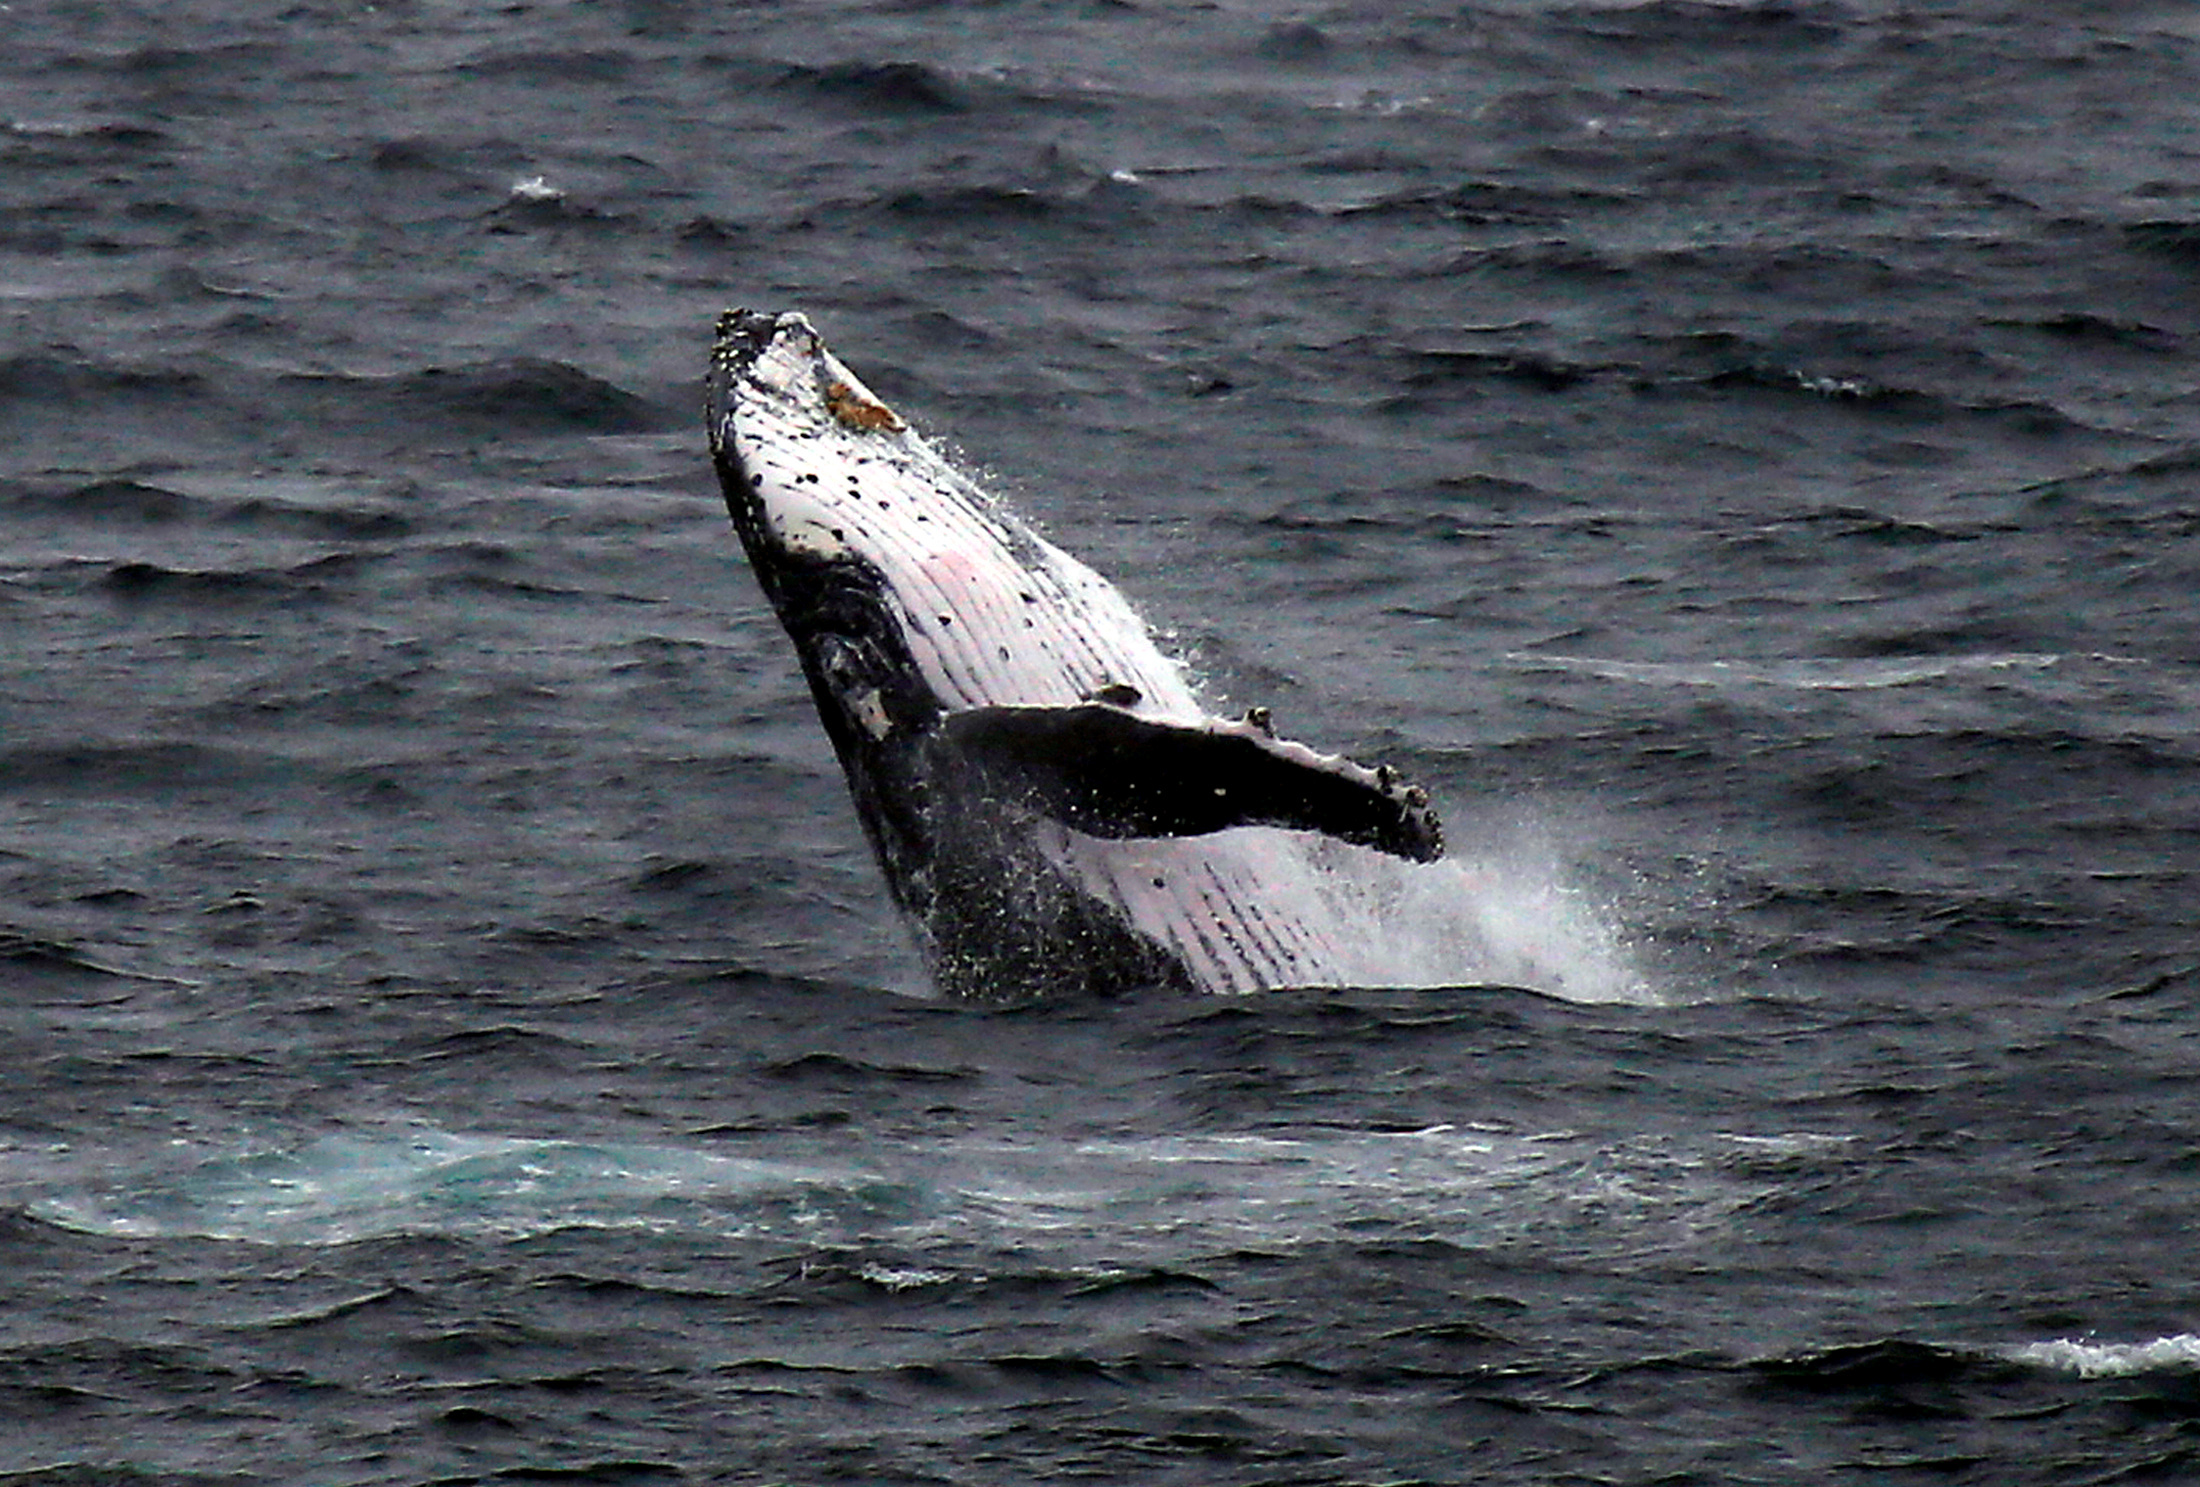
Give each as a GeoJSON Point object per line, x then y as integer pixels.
{"type": "Point", "coordinates": [522, 394]}
{"type": "Point", "coordinates": [1541, 373]}
{"type": "Point", "coordinates": [2085, 329]}
{"type": "Point", "coordinates": [978, 203]}
{"type": "Point", "coordinates": [2175, 238]}
{"type": "Point", "coordinates": [891, 87]}
{"type": "Point", "coordinates": [1911, 403]}
{"type": "Point", "coordinates": [1689, 25]}
{"type": "Point", "coordinates": [1897, 1363]}
{"type": "Point", "coordinates": [156, 767]}
{"type": "Point", "coordinates": [1839, 674]}
{"type": "Point", "coordinates": [1695, 368]}
{"type": "Point", "coordinates": [26, 955]}
{"type": "Point", "coordinates": [1055, 191]}
{"type": "Point", "coordinates": [138, 581]}
{"type": "Point", "coordinates": [74, 379]}
{"type": "Point", "coordinates": [1481, 203]}
{"type": "Point", "coordinates": [2088, 1359]}
{"type": "Point", "coordinates": [108, 501]}
{"type": "Point", "coordinates": [1877, 1366]}
{"type": "Point", "coordinates": [304, 510]}
{"type": "Point", "coordinates": [901, 89]}
{"type": "Point", "coordinates": [582, 66]}
{"type": "Point", "coordinates": [31, 142]}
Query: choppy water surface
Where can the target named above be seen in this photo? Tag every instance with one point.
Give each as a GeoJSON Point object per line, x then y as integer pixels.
{"type": "Point", "coordinates": [1741, 456]}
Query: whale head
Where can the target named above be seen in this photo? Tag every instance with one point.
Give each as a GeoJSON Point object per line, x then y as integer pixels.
{"type": "Point", "coordinates": [906, 589]}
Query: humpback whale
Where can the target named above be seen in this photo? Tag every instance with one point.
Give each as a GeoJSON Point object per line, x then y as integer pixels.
{"type": "Point", "coordinates": [1053, 808]}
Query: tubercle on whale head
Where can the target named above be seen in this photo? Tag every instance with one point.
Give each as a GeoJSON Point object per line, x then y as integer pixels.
{"type": "Point", "coordinates": [743, 336]}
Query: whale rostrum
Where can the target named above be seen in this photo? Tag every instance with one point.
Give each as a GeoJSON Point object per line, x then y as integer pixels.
{"type": "Point", "coordinates": [1053, 808]}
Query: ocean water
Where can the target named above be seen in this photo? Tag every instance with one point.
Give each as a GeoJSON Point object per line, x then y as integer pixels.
{"type": "Point", "coordinates": [1743, 457]}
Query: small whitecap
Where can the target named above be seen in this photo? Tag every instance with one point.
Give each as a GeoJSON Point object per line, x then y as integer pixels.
{"type": "Point", "coordinates": [536, 189]}
{"type": "Point", "coordinates": [903, 1277]}
{"type": "Point", "coordinates": [1833, 387]}
{"type": "Point", "coordinates": [2112, 1360]}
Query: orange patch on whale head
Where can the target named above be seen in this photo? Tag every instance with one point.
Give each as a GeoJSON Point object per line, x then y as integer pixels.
{"type": "Point", "coordinates": [859, 412]}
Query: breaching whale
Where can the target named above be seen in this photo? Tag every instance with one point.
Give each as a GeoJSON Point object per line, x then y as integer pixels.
{"type": "Point", "coordinates": [1052, 807]}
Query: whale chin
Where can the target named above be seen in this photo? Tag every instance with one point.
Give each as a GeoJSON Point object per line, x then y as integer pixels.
{"type": "Point", "coordinates": [1053, 808]}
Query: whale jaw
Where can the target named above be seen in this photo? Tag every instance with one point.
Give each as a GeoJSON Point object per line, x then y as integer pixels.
{"type": "Point", "coordinates": [1053, 809]}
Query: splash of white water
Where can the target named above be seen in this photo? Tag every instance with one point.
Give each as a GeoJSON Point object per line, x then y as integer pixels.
{"type": "Point", "coordinates": [2113, 1360]}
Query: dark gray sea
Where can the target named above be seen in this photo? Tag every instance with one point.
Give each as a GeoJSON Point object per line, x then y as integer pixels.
{"type": "Point", "coordinates": [1743, 457]}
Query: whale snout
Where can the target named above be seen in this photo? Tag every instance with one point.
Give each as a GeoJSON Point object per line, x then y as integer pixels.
{"type": "Point", "coordinates": [746, 335]}
{"type": "Point", "coordinates": [758, 354]}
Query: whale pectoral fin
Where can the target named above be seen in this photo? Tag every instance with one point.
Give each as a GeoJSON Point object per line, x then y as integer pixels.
{"type": "Point", "coordinates": [1111, 773]}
